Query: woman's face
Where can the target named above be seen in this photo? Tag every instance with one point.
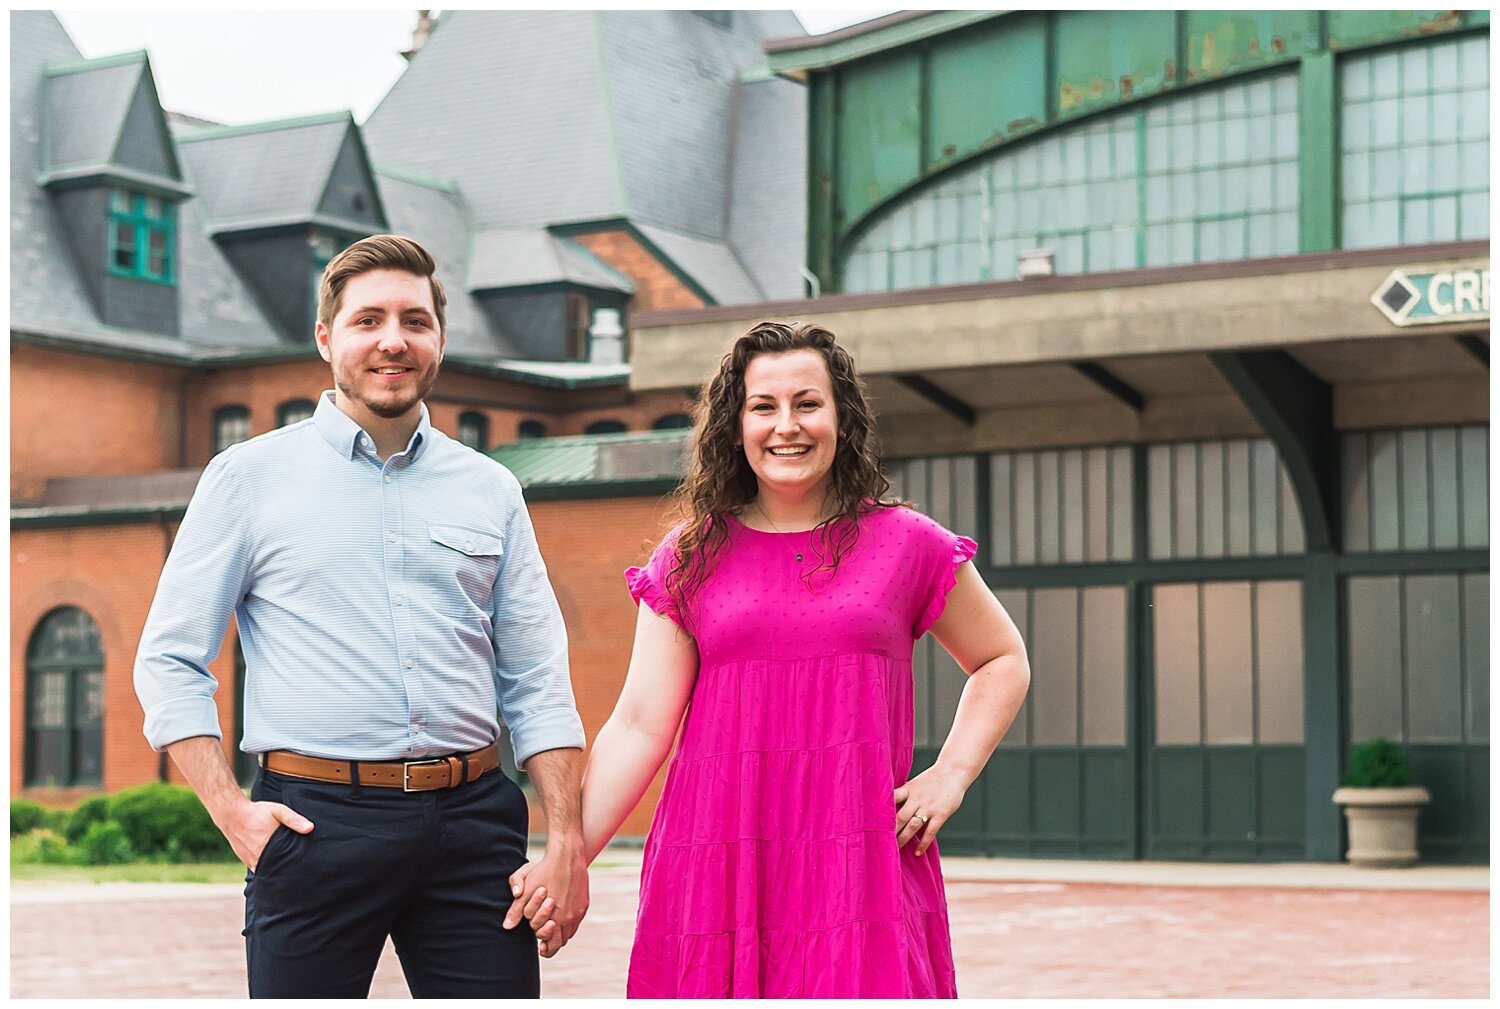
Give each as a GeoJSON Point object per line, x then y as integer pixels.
{"type": "Point", "coordinates": [790, 425]}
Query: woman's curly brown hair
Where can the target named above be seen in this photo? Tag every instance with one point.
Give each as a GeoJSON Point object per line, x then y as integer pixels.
{"type": "Point", "coordinates": [720, 481]}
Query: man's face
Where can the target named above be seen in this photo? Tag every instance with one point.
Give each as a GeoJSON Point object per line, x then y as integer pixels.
{"type": "Point", "coordinates": [384, 346]}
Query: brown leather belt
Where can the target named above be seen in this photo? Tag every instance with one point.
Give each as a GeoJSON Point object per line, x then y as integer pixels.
{"type": "Point", "coordinates": [426, 775]}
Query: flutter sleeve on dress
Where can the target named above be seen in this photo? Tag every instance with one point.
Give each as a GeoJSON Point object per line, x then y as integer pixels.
{"type": "Point", "coordinates": [945, 552]}
{"type": "Point", "coordinates": [648, 584]}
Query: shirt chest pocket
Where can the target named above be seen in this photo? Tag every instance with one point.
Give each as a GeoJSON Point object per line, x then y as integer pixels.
{"type": "Point", "coordinates": [470, 557]}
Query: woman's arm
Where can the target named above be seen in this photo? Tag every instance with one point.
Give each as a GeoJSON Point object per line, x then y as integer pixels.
{"type": "Point", "coordinates": [979, 634]}
{"type": "Point", "coordinates": [632, 745]}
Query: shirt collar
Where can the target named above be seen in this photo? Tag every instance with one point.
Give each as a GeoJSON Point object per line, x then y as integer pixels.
{"type": "Point", "coordinates": [343, 433]}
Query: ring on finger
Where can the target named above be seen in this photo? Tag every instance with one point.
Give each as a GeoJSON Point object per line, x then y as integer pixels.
{"type": "Point", "coordinates": [922, 817]}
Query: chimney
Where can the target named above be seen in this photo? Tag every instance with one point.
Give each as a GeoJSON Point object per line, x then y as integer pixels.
{"type": "Point", "coordinates": [425, 21]}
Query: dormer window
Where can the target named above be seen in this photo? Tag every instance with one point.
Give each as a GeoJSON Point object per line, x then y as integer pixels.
{"type": "Point", "coordinates": [142, 236]}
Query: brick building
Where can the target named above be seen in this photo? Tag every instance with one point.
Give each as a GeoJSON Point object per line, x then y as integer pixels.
{"type": "Point", "coordinates": [163, 286]}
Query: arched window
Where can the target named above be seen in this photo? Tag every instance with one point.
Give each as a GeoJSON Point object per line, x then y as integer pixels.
{"type": "Point", "coordinates": [231, 426]}
{"type": "Point", "coordinates": [605, 427]}
{"type": "Point", "coordinates": [294, 410]}
{"type": "Point", "coordinates": [474, 430]}
{"type": "Point", "coordinates": [244, 763]}
{"type": "Point", "coordinates": [531, 429]}
{"type": "Point", "coordinates": [65, 701]}
{"type": "Point", "coordinates": [672, 422]}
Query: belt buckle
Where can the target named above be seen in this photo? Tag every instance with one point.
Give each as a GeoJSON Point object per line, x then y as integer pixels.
{"type": "Point", "coordinates": [406, 767]}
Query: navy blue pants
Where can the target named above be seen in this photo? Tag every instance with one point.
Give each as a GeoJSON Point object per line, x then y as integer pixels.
{"type": "Point", "coordinates": [429, 869]}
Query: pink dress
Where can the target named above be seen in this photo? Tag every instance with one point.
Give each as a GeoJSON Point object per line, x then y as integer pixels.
{"type": "Point", "coordinates": [771, 868]}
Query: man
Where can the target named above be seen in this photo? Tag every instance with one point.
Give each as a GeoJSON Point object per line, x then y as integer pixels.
{"type": "Point", "coordinates": [389, 592]}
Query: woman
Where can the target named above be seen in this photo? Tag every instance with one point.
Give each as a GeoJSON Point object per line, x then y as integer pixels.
{"type": "Point", "coordinates": [789, 855]}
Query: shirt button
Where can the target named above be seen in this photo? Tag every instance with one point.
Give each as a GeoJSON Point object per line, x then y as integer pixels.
{"type": "Point", "coordinates": [416, 727]}
{"type": "Point", "coordinates": [400, 600]}
{"type": "Point", "coordinates": [409, 663]}
{"type": "Point", "coordinates": [391, 537]}
{"type": "Point", "coordinates": [468, 544]}
{"type": "Point", "coordinates": [387, 478]}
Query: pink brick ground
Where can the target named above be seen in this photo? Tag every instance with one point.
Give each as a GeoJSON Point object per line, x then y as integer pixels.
{"type": "Point", "coordinates": [1010, 940]}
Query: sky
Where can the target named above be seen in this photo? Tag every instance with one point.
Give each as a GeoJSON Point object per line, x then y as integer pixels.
{"type": "Point", "coordinates": [238, 67]}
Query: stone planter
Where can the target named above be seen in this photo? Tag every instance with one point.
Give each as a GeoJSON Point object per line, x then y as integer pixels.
{"type": "Point", "coordinates": [1382, 824]}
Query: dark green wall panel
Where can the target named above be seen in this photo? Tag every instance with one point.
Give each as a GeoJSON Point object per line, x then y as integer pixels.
{"type": "Point", "coordinates": [1176, 798]}
{"type": "Point", "coordinates": [1455, 825]}
{"type": "Point", "coordinates": [1222, 41]}
{"type": "Point", "coordinates": [879, 131]}
{"type": "Point", "coordinates": [1230, 795]}
{"type": "Point", "coordinates": [1355, 28]}
{"type": "Point", "coordinates": [1058, 805]}
{"type": "Point", "coordinates": [1104, 57]}
{"type": "Point", "coordinates": [1005, 783]}
{"type": "Point", "coordinates": [986, 85]}
{"type": "Point", "coordinates": [1280, 797]}
{"type": "Point", "coordinates": [1108, 803]}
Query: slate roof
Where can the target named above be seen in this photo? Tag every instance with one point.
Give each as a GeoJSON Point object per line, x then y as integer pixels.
{"type": "Point", "coordinates": [562, 107]}
{"type": "Point", "coordinates": [599, 458]}
{"type": "Point", "coordinates": [267, 174]}
{"type": "Point", "coordinates": [514, 257]}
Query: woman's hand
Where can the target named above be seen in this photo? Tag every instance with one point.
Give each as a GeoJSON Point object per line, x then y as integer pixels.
{"type": "Point", "coordinates": [924, 804]}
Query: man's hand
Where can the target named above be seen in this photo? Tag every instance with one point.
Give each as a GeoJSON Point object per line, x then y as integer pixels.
{"type": "Point", "coordinates": [552, 895]}
{"type": "Point", "coordinates": [248, 826]}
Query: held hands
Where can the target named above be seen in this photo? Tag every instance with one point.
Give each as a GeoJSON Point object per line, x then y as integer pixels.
{"type": "Point", "coordinates": [924, 804]}
{"type": "Point", "coordinates": [552, 895]}
{"type": "Point", "coordinates": [249, 826]}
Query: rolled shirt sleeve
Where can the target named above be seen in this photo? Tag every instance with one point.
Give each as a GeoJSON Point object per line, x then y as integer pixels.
{"type": "Point", "coordinates": [531, 646]}
{"type": "Point", "coordinates": [202, 582]}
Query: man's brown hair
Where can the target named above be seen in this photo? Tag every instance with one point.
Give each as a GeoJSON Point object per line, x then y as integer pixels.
{"type": "Point", "coordinates": [378, 252]}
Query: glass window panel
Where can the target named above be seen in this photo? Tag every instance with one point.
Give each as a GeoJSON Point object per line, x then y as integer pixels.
{"type": "Point", "coordinates": [1001, 522]}
{"type": "Point", "coordinates": [1434, 687]}
{"type": "Point", "coordinates": [124, 246]}
{"type": "Point", "coordinates": [1016, 605]}
{"type": "Point", "coordinates": [965, 480]}
{"type": "Point", "coordinates": [1159, 474]}
{"type": "Point", "coordinates": [1266, 502]}
{"type": "Point", "coordinates": [1104, 666]}
{"type": "Point", "coordinates": [1476, 590]}
{"type": "Point", "coordinates": [1291, 515]}
{"type": "Point", "coordinates": [1025, 476]}
{"type": "Point", "coordinates": [1072, 492]}
{"type": "Point", "coordinates": [940, 491]}
{"type": "Point", "coordinates": [1228, 665]}
{"type": "Point", "coordinates": [1416, 534]}
{"type": "Point", "coordinates": [1237, 466]}
{"type": "Point", "coordinates": [917, 482]}
{"type": "Point", "coordinates": [1054, 660]}
{"type": "Point", "coordinates": [1122, 527]}
{"type": "Point", "coordinates": [1474, 215]}
{"type": "Point", "coordinates": [1211, 479]}
{"type": "Point", "coordinates": [1375, 659]}
{"type": "Point", "coordinates": [948, 682]}
{"type": "Point", "coordinates": [1049, 525]}
{"type": "Point", "coordinates": [1443, 442]}
{"type": "Point", "coordinates": [1385, 519]}
{"type": "Point", "coordinates": [1356, 492]}
{"type": "Point", "coordinates": [1416, 220]}
{"type": "Point", "coordinates": [1474, 471]}
{"type": "Point", "coordinates": [1175, 627]}
{"type": "Point", "coordinates": [1444, 211]}
{"type": "Point", "coordinates": [1096, 490]}
{"type": "Point", "coordinates": [1278, 662]}
{"type": "Point", "coordinates": [156, 252]}
{"type": "Point", "coordinates": [49, 700]}
{"type": "Point", "coordinates": [1185, 486]}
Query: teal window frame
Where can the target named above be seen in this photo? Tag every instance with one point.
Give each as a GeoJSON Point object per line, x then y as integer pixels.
{"type": "Point", "coordinates": [144, 215]}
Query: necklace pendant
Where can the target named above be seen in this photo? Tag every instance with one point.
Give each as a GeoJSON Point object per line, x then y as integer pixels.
{"type": "Point", "coordinates": [799, 558]}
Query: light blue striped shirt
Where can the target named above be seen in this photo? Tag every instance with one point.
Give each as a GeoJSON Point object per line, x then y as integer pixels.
{"type": "Point", "coordinates": [385, 609]}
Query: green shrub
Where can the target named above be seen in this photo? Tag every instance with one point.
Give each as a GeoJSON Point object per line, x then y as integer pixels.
{"type": "Point", "coordinates": [154, 816]}
{"type": "Point", "coordinates": [85, 815]}
{"type": "Point", "coordinates": [104, 843]}
{"type": "Point", "coordinates": [25, 816]}
{"type": "Point", "coordinates": [42, 846]}
{"type": "Point", "coordinates": [1377, 763]}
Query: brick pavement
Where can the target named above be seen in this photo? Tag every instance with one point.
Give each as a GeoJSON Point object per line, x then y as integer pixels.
{"type": "Point", "coordinates": [1011, 939]}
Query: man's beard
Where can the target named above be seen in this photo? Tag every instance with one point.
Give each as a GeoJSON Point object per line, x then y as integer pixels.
{"type": "Point", "coordinates": [391, 408]}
